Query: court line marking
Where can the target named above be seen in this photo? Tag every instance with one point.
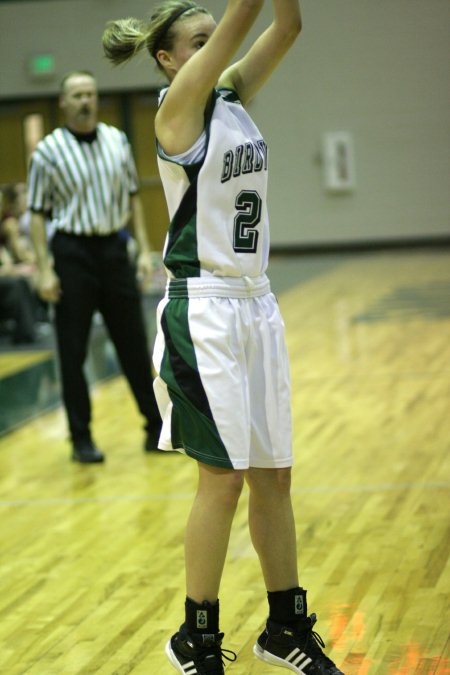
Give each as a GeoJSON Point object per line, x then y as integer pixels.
{"type": "Point", "coordinates": [321, 489]}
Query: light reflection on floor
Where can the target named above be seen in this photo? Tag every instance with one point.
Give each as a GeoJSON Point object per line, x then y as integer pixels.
{"type": "Point", "coordinates": [347, 627]}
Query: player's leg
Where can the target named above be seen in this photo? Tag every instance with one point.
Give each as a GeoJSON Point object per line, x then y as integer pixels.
{"type": "Point", "coordinates": [206, 541]}
{"type": "Point", "coordinates": [208, 530]}
{"type": "Point", "coordinates": [201, 368]}
{"type": "Point", "coordinates": [272, 526]}
{"type": "Point", "coordinates": [288, 639]}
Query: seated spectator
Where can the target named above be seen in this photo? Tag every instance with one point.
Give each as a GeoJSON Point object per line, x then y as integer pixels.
{"type": "Point", "coordinates": [12, 234]}
{"type": "Point", "coordinates": [19, 302]}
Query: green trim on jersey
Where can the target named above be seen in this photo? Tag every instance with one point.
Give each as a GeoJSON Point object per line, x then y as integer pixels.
{"type": "Point", "coordinates": [181, 256]}
{"type": "Point", "coordinates": [229, 95]}
{"type": "Point", "coordinates": [193, 425]}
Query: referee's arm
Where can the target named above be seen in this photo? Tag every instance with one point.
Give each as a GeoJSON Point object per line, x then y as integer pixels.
{"type": "Point", "coordinates": [48, 283]}
{"type": "Point", "coordinates": [138, 223]}
{"type": "Point", "coordinates": [145, 259]}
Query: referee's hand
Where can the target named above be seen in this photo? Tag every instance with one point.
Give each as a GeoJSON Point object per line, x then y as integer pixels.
{"type": "Point", "coordinates": [145, 269]}
{"type": "Point", "coordinates": [49, 287]}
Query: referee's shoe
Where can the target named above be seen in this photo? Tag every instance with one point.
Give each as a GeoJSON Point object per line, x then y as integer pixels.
{"type": "Point", "coordinates": [85, 452]}
{"type": "Point", "coordinates": [152, 438]}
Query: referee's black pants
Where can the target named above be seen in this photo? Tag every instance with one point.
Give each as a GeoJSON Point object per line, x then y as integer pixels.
{"type": "Point", "coordinates": [96, 275]}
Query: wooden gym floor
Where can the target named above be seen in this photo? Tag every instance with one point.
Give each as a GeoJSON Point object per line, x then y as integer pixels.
{"type": "Point", "coordinates": [91, 557]}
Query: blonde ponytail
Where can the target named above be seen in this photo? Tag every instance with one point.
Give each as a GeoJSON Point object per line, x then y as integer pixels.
{"type": "Point", "coordinates": [123, 39]}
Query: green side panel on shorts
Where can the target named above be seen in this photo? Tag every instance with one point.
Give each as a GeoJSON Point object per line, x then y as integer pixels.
{"type": "Point", "coordinates": [193, 425]}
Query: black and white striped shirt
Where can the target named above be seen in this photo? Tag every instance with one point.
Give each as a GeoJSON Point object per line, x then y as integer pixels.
{"type": "Point", "coordinates": [83, 186]}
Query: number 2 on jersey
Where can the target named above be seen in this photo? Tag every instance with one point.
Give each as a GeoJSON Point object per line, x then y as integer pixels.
{"type": "Point", "coordinates": [245, 237]}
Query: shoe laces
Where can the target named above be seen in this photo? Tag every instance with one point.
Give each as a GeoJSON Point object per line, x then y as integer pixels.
{"type": "Point", "coordinates": [212, 645]}
{"type": "Point", "coordinates": [315, 644]}
{"type": "Point", "coordinates": [228, 655]}
{"type": "Point", "coordinates": [314, 639]}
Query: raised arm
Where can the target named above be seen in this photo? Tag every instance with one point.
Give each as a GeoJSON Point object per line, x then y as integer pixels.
{"type": "Point", "coordinates": [180, 118]}
{"type": "Point", "coordinates": [249, 74]}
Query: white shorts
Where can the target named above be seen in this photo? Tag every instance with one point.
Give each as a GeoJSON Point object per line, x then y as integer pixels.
{"type": "Point", "coordinates": [223, 386]}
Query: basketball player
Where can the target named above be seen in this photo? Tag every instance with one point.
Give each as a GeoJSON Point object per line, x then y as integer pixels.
{"type": "Point", "coordinates": [223, 382]}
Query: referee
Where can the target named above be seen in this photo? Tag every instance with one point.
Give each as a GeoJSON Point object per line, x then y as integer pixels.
{"type": "Point", "coordinates": [82, 178]}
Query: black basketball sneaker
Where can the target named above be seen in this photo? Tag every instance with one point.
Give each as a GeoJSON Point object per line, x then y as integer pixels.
{"type": "Point", "coordinates": [297, 649]}
{"type": "Point", "coordinates": [198, 654]}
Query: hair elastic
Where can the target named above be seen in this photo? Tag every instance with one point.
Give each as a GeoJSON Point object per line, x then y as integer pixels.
{"type": "Point", "coordinates": [166, 27]}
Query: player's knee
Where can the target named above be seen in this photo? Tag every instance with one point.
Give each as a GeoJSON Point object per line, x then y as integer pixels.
{"type": "Point", "coordinates": [269, 481]}
{"type": "Point", "coordinates": [283, 480]}
{"type": "Point", "coordinates": [230, 489]}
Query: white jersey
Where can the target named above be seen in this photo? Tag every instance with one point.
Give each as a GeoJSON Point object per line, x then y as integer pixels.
{"type": "Point", "coordinates": [216, 194]}
{"type": "Point", "coordinates": [223, 378]}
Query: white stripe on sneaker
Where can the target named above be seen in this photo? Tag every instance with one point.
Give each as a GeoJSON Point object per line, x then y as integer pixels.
{"type": "Point", "coordinates": [190, 668]}
{"type": "Point", "coordinates": [296, 660]}
{"type": "Point", "coordinates": [299, 660]}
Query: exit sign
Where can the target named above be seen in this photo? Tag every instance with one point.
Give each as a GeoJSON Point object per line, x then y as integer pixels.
{"type": "Point", "coordinates": [41, 65]}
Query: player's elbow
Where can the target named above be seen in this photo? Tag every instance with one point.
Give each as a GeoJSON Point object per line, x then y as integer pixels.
{"type": "Point", "coordinates": [289, 31]}
{"type": "Point", "coordinates": [295, 28]}
{"type": "Point", "coordinates": [247, 7]}
{"type": "Point", "coordinates": [251, 4]}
